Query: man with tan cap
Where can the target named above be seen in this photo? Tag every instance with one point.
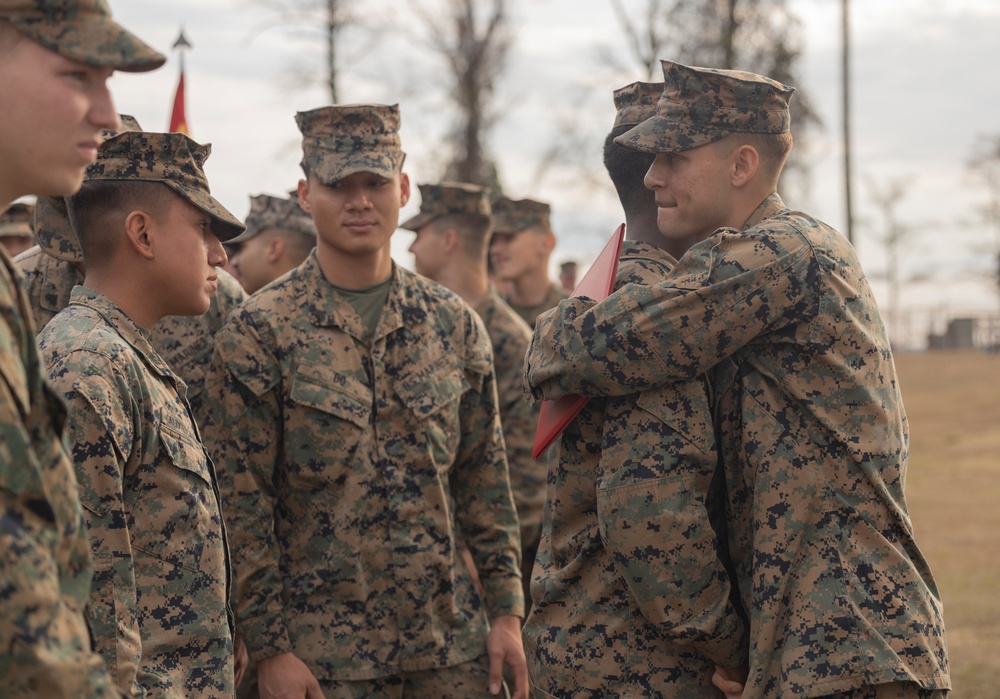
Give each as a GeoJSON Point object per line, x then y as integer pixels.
{"type": "Point", "coordinates": [53, 267]}
{"type": "Point", "coordinates": [520, 249]}
{"type": "Point", "coordinates": [809, 418]}
{"type": "Point", "coordinates": [150, 234]}
{"type": "Point", "coordinates": [15, 229]}
{"type": "Point", "coordinates": [453, 230]}
{"type": "Point", "coordinates": [632, 596]}
{"type": "Point", "coordinates": [358, 432]}
{"type": "Point", "coordinates": [279, 236]}
{"type": "Point", "coordinates": [55, 57]}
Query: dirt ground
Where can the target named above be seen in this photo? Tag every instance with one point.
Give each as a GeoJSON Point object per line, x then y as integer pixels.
{"type": "Point", "coordinates": [953, 489]}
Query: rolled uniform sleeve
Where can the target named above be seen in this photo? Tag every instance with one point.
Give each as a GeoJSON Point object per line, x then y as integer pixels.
{"type": "Point", "coordinates": [243, 437]}
{"type": "Point", "coordinates": [727, 291]}
{"type": "Point", "coordinates": [480, 482]}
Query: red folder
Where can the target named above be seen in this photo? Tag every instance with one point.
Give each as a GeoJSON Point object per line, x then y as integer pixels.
{"type": "Point", "coordinates": [597, 283]}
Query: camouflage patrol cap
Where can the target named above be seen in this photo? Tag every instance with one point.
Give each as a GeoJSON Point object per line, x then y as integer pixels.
{"type": "Point", "coordinates": [513, 216]}
{"type": "Point", "coordinates": [446, 198]}
{"type": "Point", "coordinates": [53, 231]}
{"type": "Point", "coordinates": [268, 212]}
{"type": "Point", "coordinates": [83, 31]}
{"type": "Point", "coordinates": [703, 105]}
{"type": "Point", "coordinates": [14, 222]}
{"type": "Point", "coordinates": [636, 102]}
{"type": "Point", "coordinates": [340, 140]}
{"type": "Point", "coordinates": [171, 158]}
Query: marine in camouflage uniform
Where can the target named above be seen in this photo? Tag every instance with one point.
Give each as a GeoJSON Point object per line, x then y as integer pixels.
{"type": "Point", "coordinates": [54, 266]}
{"type": "Point", "coordinates": [350, 453]}
{"type": "Point", "coordinates": [811, 424]}
{"type": "Point", "coordinates": [159, 603]}
{"type": "Point", "coordinates": [453, 228]}
{"type": "Point", "coordinates": [45, 564]}
{"type": "Point", "coordinates": [520, 248]}
{"type": "Point", "coordinates": [632, 596]}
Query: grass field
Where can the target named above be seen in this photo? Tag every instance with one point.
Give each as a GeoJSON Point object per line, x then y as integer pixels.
{"type": "Point", "coordinates": [953, 489]}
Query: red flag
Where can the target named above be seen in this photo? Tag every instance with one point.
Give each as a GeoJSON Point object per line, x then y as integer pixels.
{"type": "Point", "coordinates": [178, 117]}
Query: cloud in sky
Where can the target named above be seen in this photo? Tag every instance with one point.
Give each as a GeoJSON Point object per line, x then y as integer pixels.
{"type": "Point", "coordinates": [923, 93]}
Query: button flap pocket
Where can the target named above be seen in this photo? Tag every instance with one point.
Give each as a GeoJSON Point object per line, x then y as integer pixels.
{"type": "Point", "coordinates": [685, 409]}
{"type": "Point", "coordinates": [333, 392]}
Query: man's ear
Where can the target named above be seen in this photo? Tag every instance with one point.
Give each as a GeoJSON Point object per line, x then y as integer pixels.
{"type": "Point", "coordinates": [141, 233]}
{"type": "Point", "coordinates": [450, 240]}
{"type": "Point", "coordinates": [304, 196]}
{"type": "Point", "coordinates": [548, 242]}
{"type": "Point", "coordinates": [745, 164]}
{"type": "Point", "coordinates": [404, 189]}
{"type": "Point", "coordinates": [274, 249]}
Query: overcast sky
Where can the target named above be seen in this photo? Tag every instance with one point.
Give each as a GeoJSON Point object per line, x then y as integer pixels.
{"type": "Point", "coordinates": [923, 93]}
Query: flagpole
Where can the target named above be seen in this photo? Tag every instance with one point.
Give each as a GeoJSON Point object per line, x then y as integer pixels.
{"type": "Point", "coordinates": [182, 44]}
{"type": "Point", "coordinates": [178, 112]}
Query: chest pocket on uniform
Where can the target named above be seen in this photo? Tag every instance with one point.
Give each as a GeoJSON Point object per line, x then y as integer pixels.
{"type": "Point", "coordinates": [174, 511]}
{"type": "Point", "coordinates": [435, 402]}
{"type": "Point", "coordinates": [321, 388]}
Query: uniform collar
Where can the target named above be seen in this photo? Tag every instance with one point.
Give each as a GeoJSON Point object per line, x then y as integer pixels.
{"type": "Point", "coordinates": [768, 208]}
{"type": "Point", "coordinates": [129, 331]}
{"type": "Point", "coordinates": [637, 249]}
{"type": "Point", "coordinates": [326, 307]}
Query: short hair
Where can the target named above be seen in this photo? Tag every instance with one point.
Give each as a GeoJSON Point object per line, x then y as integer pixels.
{"type": "Point", "coordinates": [98, 211]}
{"type": "Point", "coordinates": [773, 149]}
{"type": "Point", "coordinates": [298, 242]}
{"type": "Point", "coordinates": [474, 231]}
{"type": "Point", "coordinates": [627, 169]}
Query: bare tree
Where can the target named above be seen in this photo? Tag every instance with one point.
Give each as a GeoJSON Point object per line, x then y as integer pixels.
{"type": "Point", "coordinates": [473, 39]}
{"type": "Point", "coordinates": [325, 20]}
{"type": "Point", "coordinates": [897, 239]}
{"type": "Point", "coordinates": [985, 164]}
{"type": "Point", "coordinates": [762, 36]}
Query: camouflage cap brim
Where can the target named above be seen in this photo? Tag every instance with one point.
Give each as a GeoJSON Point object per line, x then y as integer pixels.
{"type": "Point", "coordinates": [224, 224]}
{"type": "Point", "coordinates": [660, 135]}
{"type": "Point", "coordinates": [417, 222]}
{"type": "Point", "coordinates": [328, 168]}
{"type": "Point", "coordinates": [90, 37]}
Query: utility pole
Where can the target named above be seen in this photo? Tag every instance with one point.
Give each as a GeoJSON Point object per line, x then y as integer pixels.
{"type": "Point", "coordinates": [846, 12]}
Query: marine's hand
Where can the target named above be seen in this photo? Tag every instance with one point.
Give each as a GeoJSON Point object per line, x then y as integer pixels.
{"type": "Point", "coordinates": [730, 680]}
{"type": "Point", "coordinates": [503, 645]}
{"type": "Point", "coordinates": [286, 677]}
{"type": "Point", "coordinates": [241, 659]}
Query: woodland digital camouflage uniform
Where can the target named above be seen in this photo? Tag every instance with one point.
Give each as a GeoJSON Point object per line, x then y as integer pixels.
{"type": "Point", "coordinates": [810, 420]}
{"type": "Point", "coordinates": [348, 464]}
{"type": "Point", "coordinates": [631, 598]}
{"type": "Point", "coordinates": [159, 604]}
{"type": "Point", "coordinates": [509, 336]}
{"type": "Point", "coordinates": [45, 561]}
{"type": "Point", "coordinates": [55, 266]}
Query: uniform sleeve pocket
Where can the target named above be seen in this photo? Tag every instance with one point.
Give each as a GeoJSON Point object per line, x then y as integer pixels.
{"type": "Point", "coordinates": [685, 409]}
